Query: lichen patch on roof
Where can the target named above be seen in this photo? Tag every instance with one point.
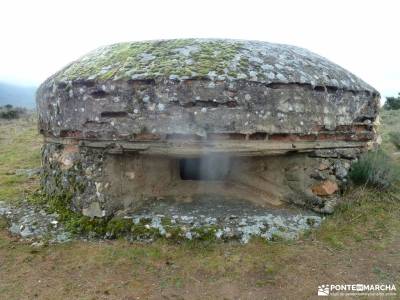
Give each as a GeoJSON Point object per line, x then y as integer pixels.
{"type": "Point", "coordinates": [212, 59]}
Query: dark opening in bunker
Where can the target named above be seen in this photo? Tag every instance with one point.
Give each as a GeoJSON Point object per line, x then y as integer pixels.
{"type": "Point", "coordinates": [210, 167]}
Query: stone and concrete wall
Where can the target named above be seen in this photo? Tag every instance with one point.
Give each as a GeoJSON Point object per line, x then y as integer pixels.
{"type": "Point", "coordinates": [104, 184]}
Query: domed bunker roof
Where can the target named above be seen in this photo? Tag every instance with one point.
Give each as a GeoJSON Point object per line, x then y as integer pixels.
{"type": "Point", "coordinates": [226, 60]}
{"type": "Point", "coordinates": [201, 89]}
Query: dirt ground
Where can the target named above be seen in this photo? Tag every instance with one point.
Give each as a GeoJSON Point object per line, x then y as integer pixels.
{"type": "Point", "coordinates": [259, 270]}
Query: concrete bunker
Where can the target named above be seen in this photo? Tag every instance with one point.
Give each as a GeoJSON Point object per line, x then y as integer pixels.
{"type": "Point", "coordinates": [133, 124]}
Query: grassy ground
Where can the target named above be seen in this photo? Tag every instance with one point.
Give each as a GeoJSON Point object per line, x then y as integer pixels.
{"type": "Point", "coordinates": [359, 244]}
{"type": "Point", "coordinates": [390, 126]}
{"type": "Point", "coordinates": [19, 149]}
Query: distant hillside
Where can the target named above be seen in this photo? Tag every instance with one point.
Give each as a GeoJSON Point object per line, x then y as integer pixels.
{"type": "Point", "coordinates": [16, 95]}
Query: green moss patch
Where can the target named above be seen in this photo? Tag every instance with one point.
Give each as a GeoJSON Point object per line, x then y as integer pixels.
{"type": "Point", "coordinates": [147, 60]}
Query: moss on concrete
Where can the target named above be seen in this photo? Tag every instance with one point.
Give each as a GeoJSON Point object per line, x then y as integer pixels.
{"type": "Point", "coordinates": [176, 58]}
{"type": "Point", "coordinates": [212, 59]}
{"type": "Point", "coordinates": [115, 227]}
{"type": "Point", "coordinates": [206, 233]}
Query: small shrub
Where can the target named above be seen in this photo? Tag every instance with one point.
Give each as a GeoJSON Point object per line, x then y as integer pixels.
{"type": "Point", "coordinates": [374, 169]}
{"type": "Point", "coordinates": [392, 103]}
{"type": "Point", "coordinates": [9, 112]}
{"type": "Point", "coordinates": [395, 139]}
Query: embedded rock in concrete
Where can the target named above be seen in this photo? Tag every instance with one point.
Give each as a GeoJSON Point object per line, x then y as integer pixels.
{"type": "Point", "coordinates": [325, 188]}
{"type": "Point", "coordinates": [93, 210]}
{"type": "Point", "coordinates": [137, 123]}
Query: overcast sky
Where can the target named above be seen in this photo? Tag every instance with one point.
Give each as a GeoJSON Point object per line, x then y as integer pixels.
{"type": "Point", "coordinates": [40, 37]}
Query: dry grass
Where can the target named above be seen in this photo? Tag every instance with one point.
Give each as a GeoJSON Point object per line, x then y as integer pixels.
{"type": "Point", "coordinates": [359, 243]}
{"type": "Point", "coordinates": [19, 149]}
{"type": "Point", "coordinates": [390, 120]}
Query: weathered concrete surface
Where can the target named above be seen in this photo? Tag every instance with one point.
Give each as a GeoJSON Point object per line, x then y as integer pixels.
{"type": "Point", "coordinates": [117, 121]}
{"type": "Point", "coordinates": [213, 59]}
{"type": "Point", "coordinates": [205, 219]}
{"type": "Point", "coordinates": [233, 87]}
{"type": "Point", "coordinates": [31, 223]}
